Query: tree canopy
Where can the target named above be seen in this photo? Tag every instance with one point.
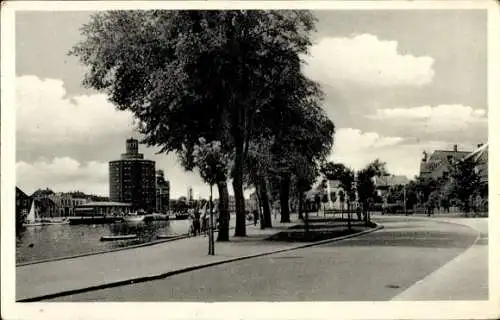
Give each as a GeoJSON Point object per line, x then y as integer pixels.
{"type": "Point", "coordinates": [219, 75]}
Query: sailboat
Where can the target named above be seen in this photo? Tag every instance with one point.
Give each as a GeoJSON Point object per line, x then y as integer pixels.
{"type": "Point", "coordinates": [31, 220]}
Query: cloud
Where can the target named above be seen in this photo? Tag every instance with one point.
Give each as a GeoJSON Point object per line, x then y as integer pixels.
{"type": "Point", "coordinates": [46, 117]}
{"type": "Point", "coordinates": [63, 174]}
{"type": "Point", "coordinates": [441, 118]}
{"type": "Point", "coordinates": [366, 61]}
{"type": "Point", "coordinates": [356, 149]}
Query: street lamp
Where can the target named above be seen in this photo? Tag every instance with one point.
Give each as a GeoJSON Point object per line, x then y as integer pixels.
{"type": "Point", "coordinates": [211, 243]}
{"type": "Point", "coordinates": [404, 198]}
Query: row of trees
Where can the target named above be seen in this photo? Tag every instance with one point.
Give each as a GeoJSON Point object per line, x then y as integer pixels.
{"type": "Point", "coordinates": [224, 90]}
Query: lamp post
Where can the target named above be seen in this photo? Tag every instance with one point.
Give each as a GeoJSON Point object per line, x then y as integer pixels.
{"type": "Point", "coordinates": [404, 199]}
{"type": "Point", "coordinates": [211, 244]}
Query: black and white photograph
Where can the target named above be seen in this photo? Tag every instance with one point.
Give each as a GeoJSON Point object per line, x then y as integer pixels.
{"type": "Point", "coordinates": [279, 154]}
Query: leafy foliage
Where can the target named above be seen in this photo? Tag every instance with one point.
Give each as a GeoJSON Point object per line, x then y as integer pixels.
{"type": "Point", "coordinates": [366, 186]}
{"type": "Point", "coordinates": [214, 74]}
{"type": "Point", "coordinates": [466, 182]}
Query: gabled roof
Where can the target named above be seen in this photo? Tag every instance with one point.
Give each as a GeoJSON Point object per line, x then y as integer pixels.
{"type": "Point", "coordinates": [392, 180]}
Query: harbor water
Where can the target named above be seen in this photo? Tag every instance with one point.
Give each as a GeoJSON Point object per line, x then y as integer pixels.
{"type": "Point", "coordinates": [56, 241]}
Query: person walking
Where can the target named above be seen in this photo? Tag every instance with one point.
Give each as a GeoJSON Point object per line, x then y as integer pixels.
{"type": "Point", "coordinates": [255, 217]}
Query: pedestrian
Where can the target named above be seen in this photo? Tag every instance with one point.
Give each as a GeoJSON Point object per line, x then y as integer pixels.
{"type": "Point", "coordinates": [204, 223]}
{"type": "Point", "coordinates": [255, 217]}
{"type": "Point", "coordinates": [196, 222]}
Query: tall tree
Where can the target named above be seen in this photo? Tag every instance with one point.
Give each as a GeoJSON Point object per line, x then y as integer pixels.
{"type": "Point", "coordinates": [366, 186]}
{"type": "Point", "coordinates": [191, 74]}
{"type": "Point", "coordinates": [466, 182]}
{"type": "Point", "coordinates": [213, 164]}
{"type": "Point", "coordinates": [258, 166]}
{"type": "Point", "coordinates": [345, 175]}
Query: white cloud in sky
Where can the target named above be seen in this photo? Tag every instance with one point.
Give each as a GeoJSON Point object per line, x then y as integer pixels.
{"type": "Point", "coordinates": [367, 61]}
{"type": "Point", "coordinates": [63, 174]}
{"type": "Point", "coordinates": [435, 118]}
{"type": "Point", "coordinates": [44, 115]}
{"type": "Point", "coordinates": [356, 149]}
{"type": "Point", "coordinates": [49, 124]}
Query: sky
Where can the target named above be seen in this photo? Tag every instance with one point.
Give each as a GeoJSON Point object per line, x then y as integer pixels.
{"type": "Point", "coordinates": [396, 83]}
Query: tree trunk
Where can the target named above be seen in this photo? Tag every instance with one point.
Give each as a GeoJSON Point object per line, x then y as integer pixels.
{"type": "Point", "coordinates": [264, 195]}
{"type": "Point", "coordinates": [349, 215]}
{"type": "Point", "coordinates": [301, 206]}
{"type": "Point", "coordinates": [365, 213]}
{"type": "Point", "coordinates": [223, 234]}
{"type": "Point", "coordinates": [284, 197]}
{"type": "Point", "coordinates": [240, 229]}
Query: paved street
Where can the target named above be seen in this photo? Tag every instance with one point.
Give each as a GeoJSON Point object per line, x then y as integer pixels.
{"type": "Point", "coordinates": [377, 266]}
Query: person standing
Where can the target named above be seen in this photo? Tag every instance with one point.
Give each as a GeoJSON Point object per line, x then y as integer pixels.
{"type": "Point", "coordinates": [255, 217]}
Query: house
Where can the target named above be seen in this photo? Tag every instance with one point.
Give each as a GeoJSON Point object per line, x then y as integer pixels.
{"type": "Point", "coordinates": [438, 164]}
{"type": "Point", "coordinates": [384, 183]}
{"type": "Point", "coordinates": [23, 202]}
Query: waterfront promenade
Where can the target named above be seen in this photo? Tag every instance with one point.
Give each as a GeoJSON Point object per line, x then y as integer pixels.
{"type": "Point", "coordinates": [48, 278]}
{"type": "Point", "coordinates": [423, 256]}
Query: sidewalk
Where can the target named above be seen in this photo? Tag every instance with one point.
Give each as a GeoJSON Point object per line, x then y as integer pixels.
{"type": "Point", "coordinates": [54, 277]}
{"type": "Point", "coordinates": [463, 278]}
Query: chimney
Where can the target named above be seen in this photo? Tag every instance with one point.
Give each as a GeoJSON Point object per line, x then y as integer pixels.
{"type": "Point", "coordinates": [455, 147]}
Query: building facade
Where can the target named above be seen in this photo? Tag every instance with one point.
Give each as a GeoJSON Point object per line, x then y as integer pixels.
{"type": "Point", "coordinates": [66, 203]}
{"type": "Point", "coordinates": [162, 192]}
{"type": "Point", "coordinates": [132, 179]}
{"type": "Point", "coordinates": [439, 163]}
{"type": "Point", "coordinates": [23, 202]}
{"type": "Point", "coordinates": [103, 208]}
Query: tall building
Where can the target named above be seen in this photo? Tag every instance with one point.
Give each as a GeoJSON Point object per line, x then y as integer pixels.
{"type": "Point", "coordinates": [132, 179]}
{"type": "Point", "coordinates": [162, 192]}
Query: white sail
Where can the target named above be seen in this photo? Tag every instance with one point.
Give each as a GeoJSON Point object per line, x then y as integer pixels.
{"type": "Point", "coordinates": [31, 217]}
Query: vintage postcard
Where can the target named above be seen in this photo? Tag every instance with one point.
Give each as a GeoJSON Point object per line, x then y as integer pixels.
{"type": "Point", "coordinates": [250, 160]}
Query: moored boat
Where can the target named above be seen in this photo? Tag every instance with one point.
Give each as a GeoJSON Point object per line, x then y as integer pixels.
{"type": "Point", "coordinates": [119, 237]}
{"type": "Point", "coordinates": [93, 219]}
{"type": "Point", "coordinates": [31, 218]}
{"type": "Point", "coordinates": [167, 236]}
{"type": "Point", "coordinates": [51, 221]}
{"type": "Point", "coordinates": [134, 218]}
{"type": "Point", "coordinates": [156, 217]}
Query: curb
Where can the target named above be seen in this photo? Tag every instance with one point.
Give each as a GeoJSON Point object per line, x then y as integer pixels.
{"type": "Point", "coordinates": [191, 268]}
{"type": "Point", "coordinates": [135, 246]}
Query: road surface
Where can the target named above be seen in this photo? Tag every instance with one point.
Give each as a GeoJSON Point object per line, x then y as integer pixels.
{"type": "Point", "coordinates": [375, 267]}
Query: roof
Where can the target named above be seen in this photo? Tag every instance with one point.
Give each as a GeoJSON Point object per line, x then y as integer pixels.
{"type": "Point", "coordinates": [392, 180]}
{"type": "Point", "coordinates": [21, 193]}
{"type": "Point", "coordinates": [106, 204]}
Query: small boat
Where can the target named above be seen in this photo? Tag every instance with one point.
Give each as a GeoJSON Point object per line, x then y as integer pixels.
{"type": "Point", "coordinates": [119, 237]}
{"type": "Point", "coordinates": [156, 217]}
{"type": "Point", "coordinates": [31, 219]}
{"type": "Point", "coordinates": [50, 221]}
{"type": "Point", "coordinates": [167, 236]}
{"type": "Point", "coordinates": [93, 219]}
{"type": "Point", "coordinates": [133, 218]}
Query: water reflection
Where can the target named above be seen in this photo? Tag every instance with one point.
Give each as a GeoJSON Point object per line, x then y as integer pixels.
{"type": "Point", "coordinates": [53, 241]}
